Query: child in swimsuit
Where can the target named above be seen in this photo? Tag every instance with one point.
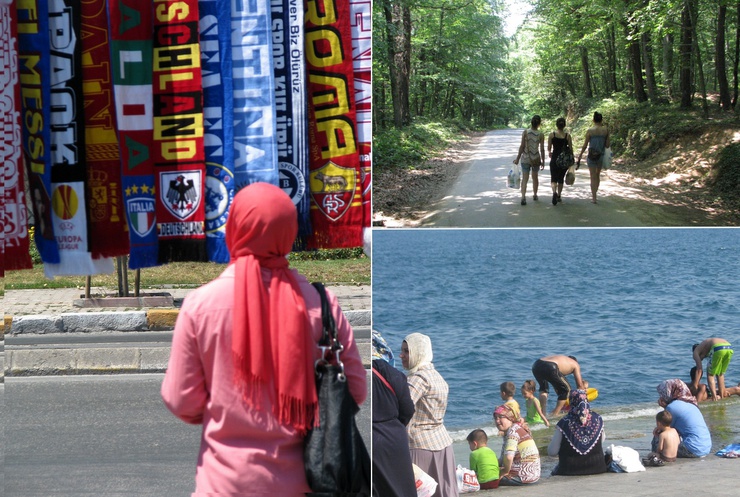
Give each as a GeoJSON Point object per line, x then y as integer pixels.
{"type": "Point", "coordinates": [665, 441]}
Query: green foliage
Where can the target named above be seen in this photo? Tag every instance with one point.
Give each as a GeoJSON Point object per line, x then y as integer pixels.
{"type": "Point", "coordinates": [328, 254]}
{"type": "Point", "coordinates": [727, 176]}
{"type": "Point", "coordinates": [414, 144]}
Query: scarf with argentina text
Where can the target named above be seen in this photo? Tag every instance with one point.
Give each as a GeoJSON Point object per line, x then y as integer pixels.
{"type": "Point", "coordinates": [14, 246]}
{"type": "Point", "coordinates": [108, 230]}
{"type": "Point", "coordinates": [291, 121]}
{"type": "Point", "coordinates": [34, 73]}
{"type": "Point", "coordinates": [218, 121]}
{"type": "Point", "coordinates": [362, 42]}
{"type": "Point", "coordinates": [255, 147]}
{"type": "Point", "coordinates": [130, 29]}
{"type": "Point", "coordinates": [68, 160]}
{"type": "Point", "coordinates": [179, 157]}
{"type": "Point", "coordinates": [337, 214]}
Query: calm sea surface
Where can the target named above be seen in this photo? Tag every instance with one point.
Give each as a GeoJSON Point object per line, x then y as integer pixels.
{"type": "Point", "coordinates": [627, 303]}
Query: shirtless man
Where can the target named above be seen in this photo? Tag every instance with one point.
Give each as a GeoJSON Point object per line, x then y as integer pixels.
{"type": "Point", "coordinates": [553, 369]}
{"type": "Point", "coordinates": [702, 392]}
{"type": "Point", "coordinates": [719, 351]}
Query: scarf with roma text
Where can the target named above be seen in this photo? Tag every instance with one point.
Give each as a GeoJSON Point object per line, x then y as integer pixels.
{"type": "Point", "coordinates": [34, 73]}
{"type": "Point", "coordinates": [14, 246]}
{"type": "Point", "coordinates": [362, 41]}
{"type": "Point", "coordinates": [68, 161]}
{"type": "Point", "coordinates": [337, 214]}
{"type": "Point", "coordinates": [179, 157]}
{"type": "Point", "coordinates": [218, 119]}
{"type": "Point", "coordinates": [108, 232]}
{"type": "Point", "coordinates": [131, 25]}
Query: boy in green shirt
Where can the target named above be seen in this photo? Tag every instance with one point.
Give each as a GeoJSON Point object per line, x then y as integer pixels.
{"type": "Point", "coordinates": [483, 460]}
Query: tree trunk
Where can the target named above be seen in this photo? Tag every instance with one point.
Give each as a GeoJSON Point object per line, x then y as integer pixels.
{"type": "Point", "coordinates": [685, 51]}
{"type": "Point", "coordinates": [637, 81]}
{"type": "Point", "coordinates": [700, 69]}
{"type": "Point", "coordinates": [721, 61]}
{"type": "Point", "coordinates": [586, 73]}
{"type": "Point", "coordinates": [398, 35]}
{"type": "Point", "coordinates": [737, 59]}
{"type": "Point", "coordinates": [668, 64]}
{"type": "Point", "coordinates": [647, 59]}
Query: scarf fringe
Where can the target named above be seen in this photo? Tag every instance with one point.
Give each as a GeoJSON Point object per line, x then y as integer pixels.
{"type": "Point", "coordinates": [288, 410]}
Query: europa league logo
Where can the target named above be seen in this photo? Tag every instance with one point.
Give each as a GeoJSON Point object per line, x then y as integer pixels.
{"type": "Point", "coordinates": [64, 201]}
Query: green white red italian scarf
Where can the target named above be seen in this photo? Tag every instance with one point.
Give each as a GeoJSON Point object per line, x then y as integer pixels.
{"type": "Point", "coordinates": [131, 25]}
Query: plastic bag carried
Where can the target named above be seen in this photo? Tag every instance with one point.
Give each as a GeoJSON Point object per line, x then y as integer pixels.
{"type": "Point", "coordinates": [467, 480]}
{"type": "Point", "coordinates": [606, 160]}
{"type": "Point", "coordinates": [425, 484]}
{"type": "Point", "coordinates": [514, 178]}
{"type": "Point", "coordinates": [570, 176]}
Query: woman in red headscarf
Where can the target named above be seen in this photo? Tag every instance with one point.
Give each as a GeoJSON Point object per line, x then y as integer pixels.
{"type": "Point", "coordinates": [242, 356]}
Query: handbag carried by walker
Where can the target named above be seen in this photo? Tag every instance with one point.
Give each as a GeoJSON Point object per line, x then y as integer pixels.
{"type": "Point", "coordinates": [335, 457]}
{"type": "Point", "coordinates": [566, 158]}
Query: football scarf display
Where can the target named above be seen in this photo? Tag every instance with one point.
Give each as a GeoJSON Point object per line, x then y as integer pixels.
{"type": "Point", "coordinates": [290, 108]}
{"type": "Point", "coordinates": [34, 74]}
{"type": "Point", "coordinates": [14, 245]}
{"type": "Point", "coordinates": [179, 160]}
{"type": "Point", "coordinates": [218, 117]}
{"type": "Point", "coordinates": [333, 142]}
{"type": "Point", "coordinates": [255, 147]}
{"type": "Point", "coordinates": [362, 42]}
{"type": "Point", "coordinates": [107, 219]}
{"type": "Point", "coordinates": [130, 30]}
{"type": "Point", "coordinates": [68, 173]}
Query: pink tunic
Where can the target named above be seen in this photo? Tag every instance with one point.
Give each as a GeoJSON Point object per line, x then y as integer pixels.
{"type": "Point", "coordinates": [242, 451]}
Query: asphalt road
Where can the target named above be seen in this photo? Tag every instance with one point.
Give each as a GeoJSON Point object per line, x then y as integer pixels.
{"type": "Point", "coordinates": [99, 435]}
{"type": "Point", "coordinates": [480, 197]}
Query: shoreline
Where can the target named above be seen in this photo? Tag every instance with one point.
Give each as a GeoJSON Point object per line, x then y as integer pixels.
{"type": "Point", "coordinates": [712, 475]}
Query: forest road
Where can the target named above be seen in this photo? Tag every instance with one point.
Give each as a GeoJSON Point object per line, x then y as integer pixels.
{"type": "Point", "coordinates": [480, 197]}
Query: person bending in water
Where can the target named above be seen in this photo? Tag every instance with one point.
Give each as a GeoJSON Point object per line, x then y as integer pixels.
{"type": "Point", "coordinates": [553, 369]}
{"type": "Point", "coordinates": [719, 352]}
{"type": "Point", "coordinates": [702, 391]}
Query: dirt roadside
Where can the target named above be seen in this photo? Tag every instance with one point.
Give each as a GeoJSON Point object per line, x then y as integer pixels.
{"type": "Point", "coordinates": [675, 178]}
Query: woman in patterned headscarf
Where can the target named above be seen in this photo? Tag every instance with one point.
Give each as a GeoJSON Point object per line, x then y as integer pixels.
{"type": "Point", "coordinates": [520, 459]}
{"type": "Point", "coordinates": [431, 445]}
{"type": "Point", "coordinates": [675, 397]}
{"type": "Point", "coordinates": [578, 439]}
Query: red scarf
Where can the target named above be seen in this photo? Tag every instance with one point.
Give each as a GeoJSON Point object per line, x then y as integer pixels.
{"type": "Point", "coordinates": [271, 335]}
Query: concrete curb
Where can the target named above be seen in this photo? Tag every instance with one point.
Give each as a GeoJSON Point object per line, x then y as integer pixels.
{"type": "Point", "coordinates": [93, 322]}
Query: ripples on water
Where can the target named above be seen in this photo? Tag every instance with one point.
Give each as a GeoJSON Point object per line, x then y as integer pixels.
{"type": "Point", "coordinates": [628, 303]}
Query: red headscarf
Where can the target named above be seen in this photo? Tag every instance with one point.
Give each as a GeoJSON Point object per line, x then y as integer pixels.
{"type": "Point", "coordinates": [271, 341]}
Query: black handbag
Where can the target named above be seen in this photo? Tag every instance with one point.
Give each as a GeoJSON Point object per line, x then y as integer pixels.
{"type": "Point", "coordinates": [335, 457]}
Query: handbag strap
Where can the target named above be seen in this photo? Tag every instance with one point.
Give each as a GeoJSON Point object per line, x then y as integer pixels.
{"type": "Point", "coordinates": [385, 382]}
{"type": "Point", "coordinates": [329, 342]}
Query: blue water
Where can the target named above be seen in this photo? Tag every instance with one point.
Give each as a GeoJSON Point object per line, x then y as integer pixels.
{"type": "Point", "coordinates": [628, 303]}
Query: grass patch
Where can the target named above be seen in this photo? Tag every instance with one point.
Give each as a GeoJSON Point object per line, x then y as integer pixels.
{"type": "Point", "coordinates": [344, 271]}
{"type": "Point", "coordinates": [411, 146]}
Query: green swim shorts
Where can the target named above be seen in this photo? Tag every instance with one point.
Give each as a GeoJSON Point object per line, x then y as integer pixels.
{"type": "Point", "coordinates": [721, 355]}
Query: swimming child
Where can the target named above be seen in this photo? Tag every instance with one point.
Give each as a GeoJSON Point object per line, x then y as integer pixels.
{"type": "Point", "coordinates": [665, 441]}
{"type": "Point", "coordinates": [483, 460]}
{"type": "Point", "coordinates": [534, 409]}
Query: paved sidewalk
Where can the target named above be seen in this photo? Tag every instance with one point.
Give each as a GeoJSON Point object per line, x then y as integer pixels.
{"type": "Point", "coordinates": [58, 331]}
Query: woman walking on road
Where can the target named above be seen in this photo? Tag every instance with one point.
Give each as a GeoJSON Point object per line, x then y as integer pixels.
{"type": "Point", "coordinates": [597, 140]}
{"type": "Point", "coordinates": [532, 154]}
{"type": "Point", "coordinates": [558, 142]}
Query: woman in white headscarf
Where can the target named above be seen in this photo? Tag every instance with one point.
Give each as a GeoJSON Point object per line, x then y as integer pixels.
{"type": "Point", "coordinates": [431, 445]}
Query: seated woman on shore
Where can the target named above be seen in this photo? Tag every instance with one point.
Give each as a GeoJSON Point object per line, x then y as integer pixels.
{"type": "Point", "coordinates": [675, 397]}
{"type": "Point", "coordinates": [578, 438]}
{"type": "Point", "coordinates": [520, 459]}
